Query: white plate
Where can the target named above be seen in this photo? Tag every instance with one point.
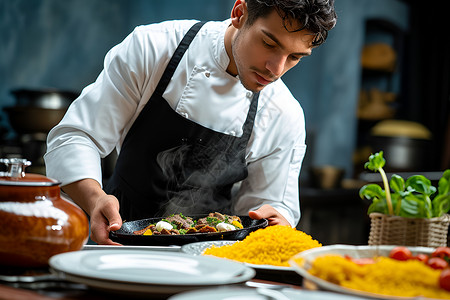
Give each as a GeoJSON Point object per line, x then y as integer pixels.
{"type": "Point", "coordinates": [198, 248]}
{"type": "Point", "coordinates": [241, 293]}
{"type": "Point", "coordinates": [144, 271]}
{"type": "Point", "coordinates": [353, 251]}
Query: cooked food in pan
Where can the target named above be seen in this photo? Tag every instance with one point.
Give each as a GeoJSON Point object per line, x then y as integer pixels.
{"type": "Point", "coordinates": [180, 224]}
{"type": "Point", "coordinates": [132, 232]}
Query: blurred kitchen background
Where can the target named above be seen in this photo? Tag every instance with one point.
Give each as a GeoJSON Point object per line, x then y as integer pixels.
{"type": "Point", "coordinates": [380, 82]}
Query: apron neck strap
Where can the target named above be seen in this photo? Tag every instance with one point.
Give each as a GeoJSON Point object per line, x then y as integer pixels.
{"type": "Point", "coordinates": [176, 57]}
{"type": "Point", "coordinates": [249, 121]}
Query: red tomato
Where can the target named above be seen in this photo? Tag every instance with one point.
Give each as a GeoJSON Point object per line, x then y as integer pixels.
{"type": "Point", "coordinates": [444, 279]}
{"type": "Point", "coordinates": [400, 253]}
{"type": "Point", "coordinates": [437, 263]}
{"type": "Point", "coordinates": [363, 261]}
{"type": "Point", "coordinates": [441, 252]}
{"type": "Point", "coordinates": [421, 257]}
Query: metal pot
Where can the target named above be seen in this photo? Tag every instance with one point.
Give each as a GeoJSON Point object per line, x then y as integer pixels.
{"type": "Point", "coordinates": [36, 221]}
{"type": "Point", "coordinates": [29, 119]}
{"type": "Point", "coordinates": [403, 154]}
{"type": "Point", "coordinates": [44, 98]}
{"type": "Point", "coordinates": [405, 145]}
{"type": "Point", "coordinates": [38, 110]}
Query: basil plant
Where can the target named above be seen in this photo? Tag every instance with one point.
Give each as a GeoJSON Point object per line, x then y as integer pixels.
{"type": "Point", "coordinates": [416, 197]}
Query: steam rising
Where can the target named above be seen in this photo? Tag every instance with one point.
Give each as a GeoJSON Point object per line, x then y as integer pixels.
{"type": "Point", "coordinates": [196, 175]}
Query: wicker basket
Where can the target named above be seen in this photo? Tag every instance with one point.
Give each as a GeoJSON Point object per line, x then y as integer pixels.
{"type": "Point", "coordinates": [395, 230]}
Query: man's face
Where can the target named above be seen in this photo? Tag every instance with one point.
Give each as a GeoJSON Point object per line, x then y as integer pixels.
{"type": "Point", "coordinates": [264, 51]}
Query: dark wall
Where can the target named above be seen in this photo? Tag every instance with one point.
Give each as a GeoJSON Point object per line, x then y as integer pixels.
{"type": "Point", "coordinates": [61, 44]}
{"type": "Point", "coordinates": [428, 91]}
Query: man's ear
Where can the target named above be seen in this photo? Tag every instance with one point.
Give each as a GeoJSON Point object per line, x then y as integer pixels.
{"type": "Point", "coordinates": [239, 13]}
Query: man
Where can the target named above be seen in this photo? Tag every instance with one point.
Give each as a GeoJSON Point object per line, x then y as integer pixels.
{"type": "Point", "coordinates": [194, 110]}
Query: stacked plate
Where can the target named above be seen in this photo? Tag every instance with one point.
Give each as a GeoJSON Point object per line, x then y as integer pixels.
{"type": "Point", "coordinates": [147, 272]}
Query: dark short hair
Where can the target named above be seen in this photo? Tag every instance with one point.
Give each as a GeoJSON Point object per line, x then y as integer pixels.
{"type": "Point", "coordinates": [317, 16]}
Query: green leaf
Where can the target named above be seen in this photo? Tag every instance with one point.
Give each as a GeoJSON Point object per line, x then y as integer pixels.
{"type": "Point", "coordinates": [441, 203]}
{"type": "Point", "coordinates": [371, 191]}
{"type": "Point", "coordinates": [376, 162]}
{"type": "Point", "coordinates": [409, 208]}
{"type": "Point", "coordinates": [378, 205]}
{"type": "Point", "coordinates": [420, 184]}
{"type": "Point", "coordinates": [396, 199]}
{"type": "Point", "coordinates": [444, 183]}
{"type": "Point", "coordinates": [423, 204]}
{"type": "Point", "coordinates": [397, 183]}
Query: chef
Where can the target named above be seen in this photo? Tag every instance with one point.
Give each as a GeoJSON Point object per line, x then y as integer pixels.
{"type": "Point", "coordinates": [199, 116]}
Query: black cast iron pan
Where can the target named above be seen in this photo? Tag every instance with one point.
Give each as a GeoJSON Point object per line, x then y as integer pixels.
{"type": "Point", "coordinates": [126, 236]}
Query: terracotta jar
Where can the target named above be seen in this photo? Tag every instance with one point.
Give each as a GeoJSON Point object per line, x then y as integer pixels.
{"type": "Point", "coordinates": [36, 222]}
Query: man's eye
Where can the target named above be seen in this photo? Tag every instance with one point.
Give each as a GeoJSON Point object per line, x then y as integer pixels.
{"type": "Point", "coordinates": [268, 45]}
{"type": "Point", "coordinates": [295, 58]}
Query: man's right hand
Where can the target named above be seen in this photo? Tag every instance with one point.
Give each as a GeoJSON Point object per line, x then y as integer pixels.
{"type": "Point", "coordinates": [103, 209]}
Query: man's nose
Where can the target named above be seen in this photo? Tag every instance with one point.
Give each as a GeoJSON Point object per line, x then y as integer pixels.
{"type": "Point", "coordinates": [276, 65]}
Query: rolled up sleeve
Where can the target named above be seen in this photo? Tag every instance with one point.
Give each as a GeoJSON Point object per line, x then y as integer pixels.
{"type": "Point", "coordinates": [97, 120]}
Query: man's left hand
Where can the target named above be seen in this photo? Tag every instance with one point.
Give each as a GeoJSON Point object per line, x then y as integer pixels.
{"type": "Point", "coordinates": [271, 214]}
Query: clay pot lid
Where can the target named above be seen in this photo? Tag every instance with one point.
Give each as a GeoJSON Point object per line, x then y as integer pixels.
{"type": "Point", "coordinates": [16, 176]}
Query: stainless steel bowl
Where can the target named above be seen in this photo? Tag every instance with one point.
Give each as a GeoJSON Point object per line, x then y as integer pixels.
{"type": "Point", "coordinates": [44, 98]}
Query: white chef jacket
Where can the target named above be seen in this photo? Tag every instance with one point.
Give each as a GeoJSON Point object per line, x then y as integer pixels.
{"type": "Point", "coordinates": [201, 90]}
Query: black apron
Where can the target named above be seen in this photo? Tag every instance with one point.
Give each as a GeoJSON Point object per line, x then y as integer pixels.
{"type": "Point", "coordinates": [169, 164]}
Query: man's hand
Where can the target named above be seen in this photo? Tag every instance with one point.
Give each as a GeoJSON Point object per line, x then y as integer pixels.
{"type": "Point", "coordinates": [103, 209]}
{"type": "Point", "coordinates": [105, 217]}
{"type": "Point", "coordinates": [271, 214]}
